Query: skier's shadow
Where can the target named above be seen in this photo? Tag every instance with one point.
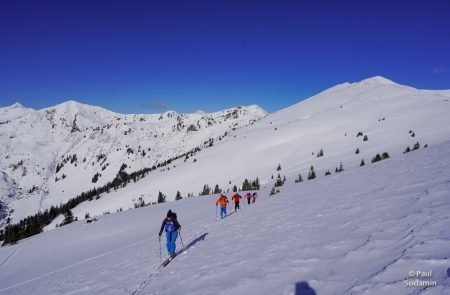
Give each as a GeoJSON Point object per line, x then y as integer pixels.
{"type": "Point", "coordinates": [303, 288]}
{"type": "Point", "coordinates": [195, 241]}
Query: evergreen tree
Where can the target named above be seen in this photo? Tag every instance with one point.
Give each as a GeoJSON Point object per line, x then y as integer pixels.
{"type": "Point", "coordinates": [357, 151]}
{"type": "Point", "coordinates": [384, 156]}
{"type": "Point", "coordinates": [299, 179]}
{"type": "Point", "coordinates": [365, 138]}
{"type": "Point", "coordinates": [320, 153]}
{"type": "Point", "coordinates": [235, 189]}
{"type": "Point", "coordinates": [68, 217]}
{"type": "Point", "coordinates": [178, 196]}
{"type": "Point", "coordinates": [279, 167]}
{"type": "Point", "coordinates": [206, 190]}
{"type": "Point", "coordinates": [407, 150]}
{"type": "Point", "coordinates": [362, 163]}
{"type": "Point", "coordinates": [86, 216]}
{"type": "Point", "coordinates": [161, 197]}
{"type": "Point", "coordinates": [376, 158]}
{"type": "Point", "coordinates": [416, 146]}
{"type": "Point", "coordinates": [327, 173]}
{"type": "Point", "coordinates": [217, 190]}
{"type": "Point", "coordinates": [246, 185]}
{"type": "Point", "coordinates": [312, 173]}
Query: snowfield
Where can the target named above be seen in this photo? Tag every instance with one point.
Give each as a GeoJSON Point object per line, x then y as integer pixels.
{"type": "Point", "coordinates": [357, 232]}
{"type": "Point", "coordinates": [372, 229]}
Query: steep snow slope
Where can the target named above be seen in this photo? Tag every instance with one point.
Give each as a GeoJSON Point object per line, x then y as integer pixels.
{"type": "Point", "coordinates": [52, 155]}
{"type": "Point", "coordinates": [358, 232]}
{"type": "Point", "coordinates": [384, 111]}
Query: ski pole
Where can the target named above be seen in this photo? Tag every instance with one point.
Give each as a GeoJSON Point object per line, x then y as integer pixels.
{"type": "Point", "coordinates": [179, 233]}
{"type": "Point", "coordinates": [160, 254]}
{"type": "Point", "coordinates": [216, 212]}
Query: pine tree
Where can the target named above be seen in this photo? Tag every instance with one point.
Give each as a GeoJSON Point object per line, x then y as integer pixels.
{"type": "Point", "coordinates": [178, 196]}
{"type": "Point", "coordinates": [362, 163]}
{"type": "Point", "coordinates": [366, 138]}
{"type": "Point", "coordinates": [235, 189]}
{"type": "Point", "coordinates": [86, 216]}
{"type": "Point", "coordinates": [312, 173]}
{"type": "Point", "coordinates": [206, 190]}
{"type": "Point", "coordinates": [279, 167]}
{"type": "Point", "coordinates": [416, 146]}
{"type": "Point", "coordinates": [357, 151]}
{"type": "Point", "coordinates": [407, 150]}
{"type": "Point", "coordinates": [217, 190]}
{"type": "Point", "coordinates": [384, 156]}
{"type": "Point", "coordinates": [161, 197]}
{"type": "Point", "coordinates": [68, 217]}
{"type": "Point", "coordinates": [327, 173]}
{"type": "Point", "coordinates": [376, 158]}
{"type": "Point", "coordinates": [299, 179]}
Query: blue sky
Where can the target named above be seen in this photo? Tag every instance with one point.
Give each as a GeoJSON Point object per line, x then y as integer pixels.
{"type": "Point", "coordinates": [149, 56]}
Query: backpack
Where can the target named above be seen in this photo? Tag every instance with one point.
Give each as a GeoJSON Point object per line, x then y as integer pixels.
{"type": "Point", "coordinates": [170, 226]}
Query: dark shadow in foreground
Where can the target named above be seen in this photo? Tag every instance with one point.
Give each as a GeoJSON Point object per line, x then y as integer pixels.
{"type": "Point", "coordinates": [303, 288]}
{"type": "Point", "coordinates": [193, 242]}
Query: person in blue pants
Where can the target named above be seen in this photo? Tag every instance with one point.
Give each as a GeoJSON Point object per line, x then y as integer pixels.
{"type": "Point", "coordinates": [171, 226]}
{"type": "Point", "coordinates": [222, 201]}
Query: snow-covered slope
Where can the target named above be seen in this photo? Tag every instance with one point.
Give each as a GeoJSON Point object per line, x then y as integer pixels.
{"type": "Point", "coordinates": [361, 231]}
{"type": "Point", "coordinates": [392, 116]}
{"type": "Point", "coordinates": [51, 155]}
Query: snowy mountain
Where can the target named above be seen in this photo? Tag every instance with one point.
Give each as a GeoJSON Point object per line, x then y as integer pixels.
{"type": "Point", "coordinates": [54, 154]}
{"type": "Point", "coordinates": [361, 231]}
{"type": "Point", "coordinates": [349, 122]}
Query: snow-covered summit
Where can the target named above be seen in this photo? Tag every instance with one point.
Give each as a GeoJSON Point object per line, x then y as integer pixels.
{"type": "Point", "coordinates": [377, 80]}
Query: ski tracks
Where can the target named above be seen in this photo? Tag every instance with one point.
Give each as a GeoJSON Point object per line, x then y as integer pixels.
{"type": "Point", "coordinates": [157, 269]}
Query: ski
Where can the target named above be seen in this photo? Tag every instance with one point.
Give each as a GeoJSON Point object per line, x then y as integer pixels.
{"type": "Point", "coordinates": [167, 261]}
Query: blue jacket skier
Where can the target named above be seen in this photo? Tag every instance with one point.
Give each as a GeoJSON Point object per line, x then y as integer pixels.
{"type": "Point", "coordinates": [171, 226]}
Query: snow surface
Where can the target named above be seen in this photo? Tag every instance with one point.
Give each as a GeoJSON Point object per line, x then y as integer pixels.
{"type": "Point", "coordinates": [357, 232]}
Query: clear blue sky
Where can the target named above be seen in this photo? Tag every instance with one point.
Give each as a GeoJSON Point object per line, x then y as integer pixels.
{"type": "Point", "coordinates": [147, 56]}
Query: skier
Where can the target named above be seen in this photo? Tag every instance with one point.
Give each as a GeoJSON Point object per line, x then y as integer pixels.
{"type": "Point", "coordinates": [249, 197]}
{"type": "Point", "coordinates": [236, 198]}
{"type": "Point", "coordinates": [223, 201]}
{"type": "Point", "coordinates": [254, 197]}
{"type": "Point", "coordinates": [171, 226]}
